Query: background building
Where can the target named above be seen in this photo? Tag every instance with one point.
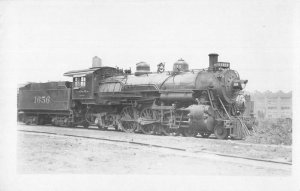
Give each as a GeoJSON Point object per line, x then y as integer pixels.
{"type": "Point", "coordinates": [272, 105]}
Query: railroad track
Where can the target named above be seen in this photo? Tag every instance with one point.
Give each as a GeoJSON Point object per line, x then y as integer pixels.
{"type": "Point", "coordinates": [157, 146]}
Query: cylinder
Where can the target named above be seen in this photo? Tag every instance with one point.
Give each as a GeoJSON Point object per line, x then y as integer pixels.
{"type": "Point", "coordinates": [213, 58]}
{"type": "Point", "coordinates": [201, 117]}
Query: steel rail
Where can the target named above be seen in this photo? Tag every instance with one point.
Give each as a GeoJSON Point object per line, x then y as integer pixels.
{"type": "Point", "coordinates": [158, 146]}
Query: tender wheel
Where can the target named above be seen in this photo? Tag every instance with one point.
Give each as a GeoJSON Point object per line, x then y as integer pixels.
{"type": "Point", "coordinates": [54, 122]}
{"type": "Point", "coordinates": [189, 132]}
{"type": "Point", "coordinates": [41, 120]}
{"type": "Point", "coordinates": [205, 134]}
{"type": "Point", "coordinates": [34, 120]}
{"type": "Point", "coordinates": [220, 132]}
{"type": "Point", "coordinates": [129, 116]}
{"type": "Point", "coordinates": [149, 114]}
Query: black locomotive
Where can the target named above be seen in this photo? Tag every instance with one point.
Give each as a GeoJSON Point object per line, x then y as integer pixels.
{"type": "Point", "coordinates": [183, 101]}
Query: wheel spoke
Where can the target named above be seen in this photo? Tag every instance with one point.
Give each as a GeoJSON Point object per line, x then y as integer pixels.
{"type": "Point", "coordinates": [148, 114]}
{"type": "Point", "coordinates": [129, 119]}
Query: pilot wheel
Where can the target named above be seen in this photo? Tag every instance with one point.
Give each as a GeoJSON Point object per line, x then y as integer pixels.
{"type": "Point", "coordinates": [220, 132]}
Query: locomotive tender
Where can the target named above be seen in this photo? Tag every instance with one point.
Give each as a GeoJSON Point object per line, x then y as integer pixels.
{"type": "Point", "coordinates": [182, 101]}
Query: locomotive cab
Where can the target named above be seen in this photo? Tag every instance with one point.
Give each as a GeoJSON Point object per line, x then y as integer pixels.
{"type": "Point", "coordinates": [86, 82]}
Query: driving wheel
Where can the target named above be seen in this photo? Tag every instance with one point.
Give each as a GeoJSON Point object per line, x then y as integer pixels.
{"type": "Point", "coordinates": [149, 114]}
{"type": "Point", "coordinates": [129, 116]}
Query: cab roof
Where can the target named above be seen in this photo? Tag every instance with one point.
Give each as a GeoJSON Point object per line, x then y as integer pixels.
{"type": "Point", "coordinates": [78, 73]}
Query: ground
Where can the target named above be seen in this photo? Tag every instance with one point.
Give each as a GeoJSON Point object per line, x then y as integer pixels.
{"type": "Point", "coordinates": [39, 153]}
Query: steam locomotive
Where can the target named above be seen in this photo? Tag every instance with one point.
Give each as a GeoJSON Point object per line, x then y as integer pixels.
{"type": "Point", "coordinates": [182, 101]}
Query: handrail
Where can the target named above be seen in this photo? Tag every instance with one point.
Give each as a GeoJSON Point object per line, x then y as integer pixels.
{"type": "Point", "coordinates": [224, 108]}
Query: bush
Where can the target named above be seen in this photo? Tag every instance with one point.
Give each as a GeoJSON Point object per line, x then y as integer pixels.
{"type": "Point", "coordinates": [277, 132]}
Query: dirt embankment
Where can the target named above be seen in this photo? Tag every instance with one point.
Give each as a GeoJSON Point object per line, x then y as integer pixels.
{"type": "Point", "coordinates": [277, 132]}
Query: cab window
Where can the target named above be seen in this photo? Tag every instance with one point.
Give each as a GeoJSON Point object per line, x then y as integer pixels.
{"type": "Point", "coordinates": [79, 82]}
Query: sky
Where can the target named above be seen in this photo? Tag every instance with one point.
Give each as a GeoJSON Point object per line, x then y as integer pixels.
{"type": "Point", "coordinates": [41, 40]}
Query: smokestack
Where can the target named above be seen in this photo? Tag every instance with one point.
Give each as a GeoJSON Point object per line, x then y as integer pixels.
{"type": "Point", "coordinates": [97, 62]}
{"type": "Point", "coordinates": [213, 58]}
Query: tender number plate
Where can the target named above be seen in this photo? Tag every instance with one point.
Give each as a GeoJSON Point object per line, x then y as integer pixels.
{"type": "Point", "coordinates": [41, 99]}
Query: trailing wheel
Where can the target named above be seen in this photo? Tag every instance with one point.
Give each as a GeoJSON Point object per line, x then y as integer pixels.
{"type": "Point", "coordinates": [150, 115]}
{"type": "Point", "coordinates": [129, 116]}
{"type": "Point", "coordinates": [220, 132]}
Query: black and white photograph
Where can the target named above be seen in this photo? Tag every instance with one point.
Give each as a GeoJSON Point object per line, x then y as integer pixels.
{"type": "Point", "coordinates": [149, 95]}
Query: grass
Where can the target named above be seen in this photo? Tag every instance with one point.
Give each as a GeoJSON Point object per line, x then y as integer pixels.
{"type": "Point", "coordinates": [278, 132]}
